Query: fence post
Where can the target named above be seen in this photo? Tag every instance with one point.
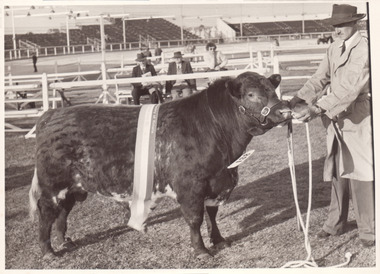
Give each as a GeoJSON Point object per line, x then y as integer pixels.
{"type": "Point", "coordinates": [260, 59]}
{"type": "Point", "coordinates": [276, 70]}
{"type": "Point", "coordinates": [10, 76]}
{"type": "Point", "coordinates": [79, 70]}
{"type": "Point", "coordinates": [271, 52]}
{"type": "Point", "coordinates": [45, 92]}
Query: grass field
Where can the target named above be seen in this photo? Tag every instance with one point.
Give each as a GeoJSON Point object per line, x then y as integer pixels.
{"type": "Point", "coordinates": [259, 217]}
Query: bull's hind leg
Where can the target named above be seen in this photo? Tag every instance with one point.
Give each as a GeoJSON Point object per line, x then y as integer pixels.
{"type": "Point", "coordinates": [213, 231]}
{"type": "Point", "coordinates": [65, 207]}
{"type": "Point", "coordinates": [48, 214]}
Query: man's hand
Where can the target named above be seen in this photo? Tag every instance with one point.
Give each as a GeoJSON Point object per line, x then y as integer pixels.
{"type": "Point", "coordinates": [305, 113]}
{"type": "Point", "coordinates": [294, 101]}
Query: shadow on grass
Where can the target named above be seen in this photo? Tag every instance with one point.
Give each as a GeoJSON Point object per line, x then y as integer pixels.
{"type": "Point", "coordinates": [272, 198]}
{"type": "Point", "coordinates": [95, 238]}
{"type": "Point", "coordinates": [16, 177]}
{"type": "Point", "coordinates": [101, 236]}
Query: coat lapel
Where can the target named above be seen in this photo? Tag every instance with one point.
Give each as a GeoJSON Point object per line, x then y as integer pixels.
{"type": "Point", "coordinates": [342, 59]}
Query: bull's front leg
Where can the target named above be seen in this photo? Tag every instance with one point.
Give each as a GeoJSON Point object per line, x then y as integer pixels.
{"type": "Point", "coordinates": [193, 211]}
{"type": "Point", "coordinates": [213, 231]}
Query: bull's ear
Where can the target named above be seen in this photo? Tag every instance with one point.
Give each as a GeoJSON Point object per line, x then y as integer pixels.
{"type": "Point", "coordinates": [233, 86]}
{"type": "Point", "coordinates": [275, 79]}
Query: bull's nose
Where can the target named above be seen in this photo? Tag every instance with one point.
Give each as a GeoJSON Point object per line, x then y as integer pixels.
{"type": "Point", "coordinates": [286, 113]}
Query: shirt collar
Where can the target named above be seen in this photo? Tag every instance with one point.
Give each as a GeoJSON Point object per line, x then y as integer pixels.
{"type": "Point", "coordinates": [349, 41]}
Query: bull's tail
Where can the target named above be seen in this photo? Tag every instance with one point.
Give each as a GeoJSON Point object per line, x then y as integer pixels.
{"type": "Point", "coordinates": [34, 196]}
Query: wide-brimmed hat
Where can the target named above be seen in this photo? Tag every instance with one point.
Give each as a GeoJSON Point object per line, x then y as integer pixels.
{"type": "Point", "coordinates": [343, 14]}
{"type": "Point", "coordinates": [140, 57]}
{"type": "Point", "coordinates": [209, 45]}
{"type": "Point", "coordinates": [177, 54]}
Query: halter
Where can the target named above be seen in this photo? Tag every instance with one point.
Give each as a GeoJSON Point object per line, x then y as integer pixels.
{"type": "Point", "coordinates": [262, 117]}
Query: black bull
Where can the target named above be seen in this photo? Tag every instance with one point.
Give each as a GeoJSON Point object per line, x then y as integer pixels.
{"type": "Point", "coordinates": [90, 148]}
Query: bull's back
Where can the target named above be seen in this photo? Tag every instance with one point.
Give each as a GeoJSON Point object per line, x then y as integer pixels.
{"type": "Point", "coordinates": [90, 145]}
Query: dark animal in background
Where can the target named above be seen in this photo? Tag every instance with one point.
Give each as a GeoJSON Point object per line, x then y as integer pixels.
{"type": "Point", "coordinates": [197, 138]}
{"type": "Point", "coordinates": [325, 40]}
{"type": "Point", "coordinates": [24, 95]}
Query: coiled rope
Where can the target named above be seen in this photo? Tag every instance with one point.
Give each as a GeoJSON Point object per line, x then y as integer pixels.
{"type": "Point", "coordinates": [309, 261]}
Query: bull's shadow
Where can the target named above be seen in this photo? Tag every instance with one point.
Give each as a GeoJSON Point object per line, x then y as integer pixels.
{"type": "Point", "coordinates": [272, 198]}
{"type": "Point", "coordinates": [115, 232]}
{"type": "Point", "coordinates": [16, 177]}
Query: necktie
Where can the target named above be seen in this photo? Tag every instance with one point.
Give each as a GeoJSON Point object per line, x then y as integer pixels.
{"type": "Point", "coordinates": [343, 48]}
{"type": "Point", "coordinates": [179, 69]}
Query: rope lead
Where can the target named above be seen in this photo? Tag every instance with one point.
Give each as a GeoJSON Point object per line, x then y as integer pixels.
{"type": "Point", "coordinates": [309, 261]}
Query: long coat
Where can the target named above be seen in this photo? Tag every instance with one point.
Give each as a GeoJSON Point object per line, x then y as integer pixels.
{"type": "Point", "coordinates": [137, 72]}
{"type": "Point", "coordinates": [341, 86]}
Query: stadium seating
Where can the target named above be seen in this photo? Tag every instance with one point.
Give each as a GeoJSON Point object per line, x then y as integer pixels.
{"type": "Point", "coordinates": [161, 29]}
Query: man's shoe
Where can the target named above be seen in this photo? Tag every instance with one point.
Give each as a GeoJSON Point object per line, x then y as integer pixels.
{"type": "Point", "coordinates": [367, 243]}
{"type": "Point", "coordinates": [323, 234]}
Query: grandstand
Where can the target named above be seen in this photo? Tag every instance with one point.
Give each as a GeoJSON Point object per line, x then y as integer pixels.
{"type": "Point", "coordinates": [281, 27]}
{"type": "Point", "coordinates": [157, 28]}
{"type": "Point", "coordinates": [144, 31]}
{"type": "Point", "coordinates": [286, 27]}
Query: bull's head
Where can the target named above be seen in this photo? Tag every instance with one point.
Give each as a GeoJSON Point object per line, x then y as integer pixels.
{"type": "Point", "coordinates": [256, 98]}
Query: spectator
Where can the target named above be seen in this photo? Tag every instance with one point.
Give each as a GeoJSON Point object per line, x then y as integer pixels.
{"type": "Point", "coordinates": [180, 66]}
{"type": "Point", "coordinates": [214, 59]}
{"type": "Point", "coordinates": [147, 52]}
{"type": "Point", "coordinates": [191, 49]}
{"type": "Point", "coordinates": [34, 58]}
{"type": "Point", "coordinates": [157, 52]}
{"type": "Point", "coordinates": [346, 113]}
{"type": "Point", "coordinates": [152, 89]}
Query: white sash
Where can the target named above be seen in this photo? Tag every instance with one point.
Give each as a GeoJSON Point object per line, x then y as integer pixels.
{"type": "Point", "coordinates": [144, 166]}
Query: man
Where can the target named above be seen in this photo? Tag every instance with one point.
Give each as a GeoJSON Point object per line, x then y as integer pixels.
{"type": "Point", "coordinates": [152, 89]}
{"type": "Point", "coordinates": [180, 66]}
{"type": "Point", "coordinates": [214, 59]}
{"type": "Point", "coordinates": [339, 91]}
{"type": "Point", "coordinates": [34, 59]}
{"type": "Point", "coordinates": [157, 52]}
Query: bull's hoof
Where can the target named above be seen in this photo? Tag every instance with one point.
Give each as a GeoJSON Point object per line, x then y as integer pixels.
{"type": "Point", "coordinates": [68, 244]}
{"type": "Point", "coordinates": [48, 256]}
{"type": "Point", "coordinates": [203, 256]}
{"type": "Point", "coordinates": [222, 244]}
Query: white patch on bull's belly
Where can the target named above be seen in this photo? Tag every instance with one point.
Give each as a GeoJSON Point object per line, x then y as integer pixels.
{"type": "Point", "coordinates": [121, 197]}
{"type": "Point", "coordinates": [156, 197]}
{"type": "Point", "coordinates": [214, 202]}
{"type": "Point", "coordinates": [61, 196]}
{"type": "Point", "coordinates": [169, 192]}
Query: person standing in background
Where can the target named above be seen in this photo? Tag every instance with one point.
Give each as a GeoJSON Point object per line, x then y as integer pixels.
{"type": "Point", "coordinates": [34, 59]}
